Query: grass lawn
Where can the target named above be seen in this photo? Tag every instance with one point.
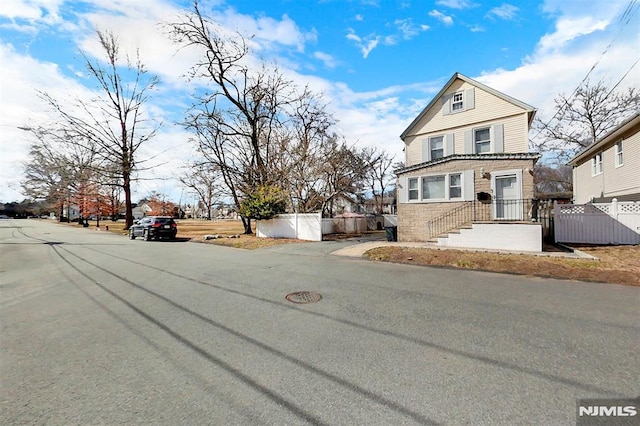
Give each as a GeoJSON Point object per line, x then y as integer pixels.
{"type": "Point", "coordinates": [616, 264]}
{"type": "Point", "coordinates": [195, 230]}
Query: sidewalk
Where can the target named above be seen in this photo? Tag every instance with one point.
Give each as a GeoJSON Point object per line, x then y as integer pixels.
{"type": "Point", "coordinates": [358, 250]}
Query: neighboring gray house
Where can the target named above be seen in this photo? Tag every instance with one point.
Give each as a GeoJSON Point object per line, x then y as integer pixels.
{"type": "Point", "coordinates": [610, 167]}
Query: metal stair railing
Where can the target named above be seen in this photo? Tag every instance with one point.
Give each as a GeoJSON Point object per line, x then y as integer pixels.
{"type": "Point", "coordinates": [476, 211]}
{"type": "Point", "coordinates": [455, 218]}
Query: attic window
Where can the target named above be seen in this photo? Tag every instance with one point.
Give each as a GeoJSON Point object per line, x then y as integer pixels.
{"type": "Point", "coordinates": [457, 102]}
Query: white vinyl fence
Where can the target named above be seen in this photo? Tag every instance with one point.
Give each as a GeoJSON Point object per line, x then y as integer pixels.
{"type": "Point", "coordinates": [311, 226]}
{"type": "Point", "coordinates": [601, 223]}
{"type": "Point", "coordinates": [302, 226]}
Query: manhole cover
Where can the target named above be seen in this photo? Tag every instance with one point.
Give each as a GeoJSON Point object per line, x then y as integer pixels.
{"type": "Point", "coordinates": [304, 297]}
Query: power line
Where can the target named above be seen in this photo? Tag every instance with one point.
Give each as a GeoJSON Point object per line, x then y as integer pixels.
{"type": "Point", "coordinates": [628, 13]}
{"type": "Point", "coordinates": [623, 77]}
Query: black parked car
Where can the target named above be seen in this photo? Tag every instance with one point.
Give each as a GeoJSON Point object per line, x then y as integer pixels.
{"type": "Point", "coordinates": [154, 227]}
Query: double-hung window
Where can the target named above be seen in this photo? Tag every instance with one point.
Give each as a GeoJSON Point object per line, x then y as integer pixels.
{"type": "Point", "coordinates": [457, 101]}
{"type": "Point", "coordinates": [455, 186]}
{"type": "Point", "coordinates": [619, 158]}
{"type": "Point", "coordinates": [482, 140]}
{"type": "Point", "coordinates": [596, 164]}
{"type": "Point", "coordinates": [436, 147]}
{"type": "Point", "coordinates": [413, 189]}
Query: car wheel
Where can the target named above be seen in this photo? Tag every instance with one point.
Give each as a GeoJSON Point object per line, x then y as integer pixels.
{"type": "Point", "coordinates": [147, 236]}
{"type": "Point", "coordinates": [131, 235]}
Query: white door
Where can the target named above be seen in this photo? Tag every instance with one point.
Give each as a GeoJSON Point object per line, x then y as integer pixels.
{"type": "Point", "coordinates": [507, 203]}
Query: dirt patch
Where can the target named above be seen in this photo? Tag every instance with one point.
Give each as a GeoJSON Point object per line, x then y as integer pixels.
{"type": "Point", "coordinates": [338, 237]}
{"type": "Point", "coordinates": [616, 264]}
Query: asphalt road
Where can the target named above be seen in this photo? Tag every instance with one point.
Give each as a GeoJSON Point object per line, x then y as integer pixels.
{"type": "Point", "coordinates": [98, 329]}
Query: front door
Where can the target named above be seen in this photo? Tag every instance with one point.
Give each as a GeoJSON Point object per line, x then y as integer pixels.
{"type": "Point", "coordinates": [507, 203]}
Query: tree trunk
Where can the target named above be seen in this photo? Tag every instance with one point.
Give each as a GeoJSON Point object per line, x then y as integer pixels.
{"type": "Point", "coordinates": [246, 222]}
{"type": "Point", "coordinates": [128, 214]}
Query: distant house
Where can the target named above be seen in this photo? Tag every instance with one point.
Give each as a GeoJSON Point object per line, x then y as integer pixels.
{"type": "Point", "coordinates": [141, 211]}
{"type": "Point", "coordinates": [342, 203]}
{"type": "Point", "coordinates": [610, 167]}
{"type": "Point", "coordinates": [388, 204]}
{"type": "Point", "coordinates": [467, 162]}
{"type": "Point", "coordinates": [71, 211]}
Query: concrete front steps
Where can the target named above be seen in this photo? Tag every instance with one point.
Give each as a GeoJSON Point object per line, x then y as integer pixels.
{"type": "Point", "coordinates": [515, 236]}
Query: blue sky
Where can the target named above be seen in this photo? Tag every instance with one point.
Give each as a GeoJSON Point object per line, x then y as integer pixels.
{"type": "Point", "coordinates": [378, 62]}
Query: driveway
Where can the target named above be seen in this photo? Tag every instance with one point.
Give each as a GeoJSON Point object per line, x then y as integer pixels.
{"type": "Point", "coordinates": [98, 329]}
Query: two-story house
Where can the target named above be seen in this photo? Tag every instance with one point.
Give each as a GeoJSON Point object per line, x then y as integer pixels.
{"type": "Point", "coordinates": [467, 161]}
{"type": "Point", "coordinates": [610, 167]}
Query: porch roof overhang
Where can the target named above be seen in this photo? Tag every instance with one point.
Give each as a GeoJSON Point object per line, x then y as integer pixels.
{"type": "Point", "coordinates": [474, 157]}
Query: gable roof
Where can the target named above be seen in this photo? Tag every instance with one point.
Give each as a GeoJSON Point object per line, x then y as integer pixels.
{"type": "Point", "coordinates": [479, 85]}
{"type": "Point", "coordinates": [626, 125]}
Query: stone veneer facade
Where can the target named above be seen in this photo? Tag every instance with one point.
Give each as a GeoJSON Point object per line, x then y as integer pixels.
{"type": "Point", "coordinates": [413, 217]}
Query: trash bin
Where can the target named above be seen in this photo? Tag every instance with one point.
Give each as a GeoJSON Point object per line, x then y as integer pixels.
{"type": "Point", "coordinates": [392, 233]}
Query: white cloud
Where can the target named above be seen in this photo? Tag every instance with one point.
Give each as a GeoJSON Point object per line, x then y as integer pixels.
{"type": "Point", "coordinates": [505, 11]}
{"type": "Point", "coordinates": [33, 11]}
{"type": "Point", "coordinates": [409, 29]}
{"type": "Point", "coordinates": [545, 74]}
{"type": "Point", "coordinates": [447, 20]}
{"type": "Point", "coordinates": [21, 107]}
{"type": "Point", "coordinates": [568, 29]}
{"type": "Point", "coordinates": [328, 60]}
{"type": "Point", "coordinates": [456, 4]}
{"type": "Point", "coordinates": [366, 44]}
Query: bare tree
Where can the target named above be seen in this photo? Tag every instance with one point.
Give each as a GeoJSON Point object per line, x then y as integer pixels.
{"type": "Point", "coordinates": [305, 151]}
{"type": "Point", "coordinates": [593, 111]}
{"type": "Point", "coordinates": [344, 173]}
{"type": "Point", "coordinates": [60, 172]}
{"type": "Point", "coordinates": [259, 129]}
{"type": "Point", "coordinates": [204, 180]}
{"type": "Point", "coordinates": [380, 177]}
{"type": "Point", "coordinates": [237, 118]}
{"type": "Point", "coordinates": [112, 122]}
{"type": "Point", "coordinates": [548, 179]}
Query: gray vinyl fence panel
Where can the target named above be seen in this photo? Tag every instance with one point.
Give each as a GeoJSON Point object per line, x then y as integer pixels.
{"type": "Point", "coordinates": [599, 223]}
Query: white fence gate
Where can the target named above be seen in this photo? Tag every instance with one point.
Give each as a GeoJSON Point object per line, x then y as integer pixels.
{"type": "Point", "coordinates": [614, 223]}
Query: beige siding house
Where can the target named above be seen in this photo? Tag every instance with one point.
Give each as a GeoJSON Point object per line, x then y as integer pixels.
{"type": "Point", "coordinates": [466, 160]}
{"type": "Point", "coordinates": [609, 168]}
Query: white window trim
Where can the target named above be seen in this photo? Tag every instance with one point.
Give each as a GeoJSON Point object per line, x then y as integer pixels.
{"type": "Point", "coordinates": [468, 101]}
{"type": "Point", "coordinates": [597, 164]}
{"type": "Point", "coordinates": [461, 101]}
{"type": "Point", "coordinates": [409, 189]}
{"type": "Point", "coordinates": [496, 139]}
{"type": "Point", "coordinates": [447, 180]}
{"type": "Point", "coordinates": [619, 154]}
{"type": "Point", "coordinates": [490, 141]}
{"type": "Point", "coordinates": [448, 146]}
{"type": "Point", "coordinates": [443, 142]}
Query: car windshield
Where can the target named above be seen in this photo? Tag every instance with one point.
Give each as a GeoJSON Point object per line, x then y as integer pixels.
{"type": "Point", "coordinates": [164, 220]}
